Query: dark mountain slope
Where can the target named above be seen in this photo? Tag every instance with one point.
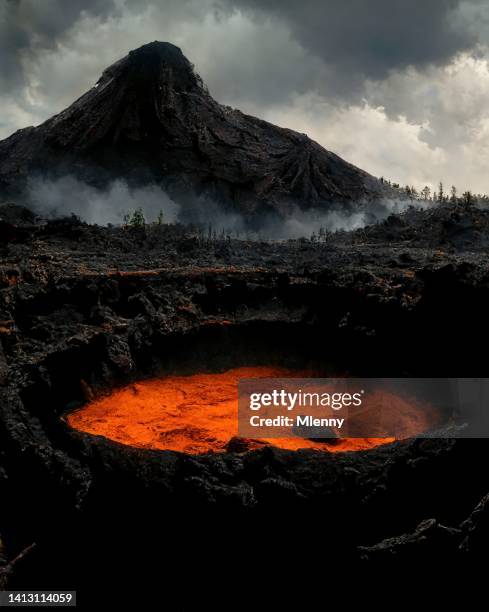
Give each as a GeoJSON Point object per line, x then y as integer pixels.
{"type": "Point", "coordinates": [150, 118]}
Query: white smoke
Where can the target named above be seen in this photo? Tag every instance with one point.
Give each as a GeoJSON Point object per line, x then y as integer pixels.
{"type": "Point", "coordinates": [304, 223]}
{"type": "Point", "coordinates": [68, 195]}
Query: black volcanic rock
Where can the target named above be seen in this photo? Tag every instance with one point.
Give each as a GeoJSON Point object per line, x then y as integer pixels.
{"type": "Point", "coordinates": [86, 308]}
{"type": "Point", "coordinates": [150, 118]}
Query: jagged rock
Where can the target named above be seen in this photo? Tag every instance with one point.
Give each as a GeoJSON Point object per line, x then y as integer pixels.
{"type": "Point", "coordinates": [119, 354]}
{"type": "Point", "coordinates": [476, 528]}
{"type": "Point", "coordinates": [242, 445]}
{"type": "Point", "coordinates": [429, 538]}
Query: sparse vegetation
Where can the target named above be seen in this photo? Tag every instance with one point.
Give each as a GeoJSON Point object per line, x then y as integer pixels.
{"type": "Point", "coordinates": [468, 198]}
{"type": "Point", "coordinates": [138, 219]}
{"type": "Point", "coordinates": [134, 218]}
{"type": "Point", "coordinates": [440, 196]}
{"type": "Point", "coordinates": [209, 236]}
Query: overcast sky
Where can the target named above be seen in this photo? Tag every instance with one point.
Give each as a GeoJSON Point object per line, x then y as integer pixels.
{"type": "Point", "coordinates": [397, 87]}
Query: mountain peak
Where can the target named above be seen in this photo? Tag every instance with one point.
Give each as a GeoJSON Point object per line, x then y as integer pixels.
{"type": "Point", "coordinates": [149, 119]}
{"type": "Point", "coordinates": [154, 62]}
{"type": "Point", "coordinates": [164, 50]}
{"type": "Point", "coordinates": [161, 54]}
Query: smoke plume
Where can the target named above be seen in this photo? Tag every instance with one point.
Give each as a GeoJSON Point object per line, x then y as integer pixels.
{"type": "Point", "coordinates": [68, 195]}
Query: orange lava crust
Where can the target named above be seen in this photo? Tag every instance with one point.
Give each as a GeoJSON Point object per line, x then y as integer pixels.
{"type": "Point", "coordinates": [198, 414]}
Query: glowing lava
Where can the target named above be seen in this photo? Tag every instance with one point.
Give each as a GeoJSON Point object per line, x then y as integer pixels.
{"type": "Point", "coordinates": [198, 414]}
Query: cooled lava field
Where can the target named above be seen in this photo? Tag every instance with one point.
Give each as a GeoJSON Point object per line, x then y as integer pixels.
{"type": "Point", "coordinates": [87, 311]}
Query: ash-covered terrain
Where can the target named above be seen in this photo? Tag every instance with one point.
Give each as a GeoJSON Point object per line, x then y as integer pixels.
{"type": "Point", "coordinates": [85, 309]}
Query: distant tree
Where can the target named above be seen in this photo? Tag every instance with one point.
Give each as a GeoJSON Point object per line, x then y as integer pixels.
{"type": "Point", "coordinates": [159, 218]}
{"type": "Point", "coordinates": [426, 192]}
{"type": "Point", "coordinates": [441, 195]}
{"type": "Point", "coordinates": [137, 218]}
{"type": "Point", "coordinates": [453, 194]}
{"type": "Point", "coordinates": [468, 198]}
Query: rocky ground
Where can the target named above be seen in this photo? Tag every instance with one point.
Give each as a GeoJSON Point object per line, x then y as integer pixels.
{"type": "Point", "coordinates": [85, 308]}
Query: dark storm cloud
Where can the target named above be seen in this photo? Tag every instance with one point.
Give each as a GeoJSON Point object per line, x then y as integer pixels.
{"type": "Point", "coordinates": [370, 39]}
{"type": "Point", "coordinates": [347, 41]}
{"type": "Point", "coordinates": [27, 26]}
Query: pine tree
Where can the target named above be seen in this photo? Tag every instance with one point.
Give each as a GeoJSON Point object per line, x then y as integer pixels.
{"type": "Point", "coordinates": [468, 198]}
{"type": "Point", "coordinates": [137, 218]}
{"type": "Point", "coordinates": [441, 195]}
{"type": "Point", "coordinates": [453, 194]}
{"type": "Point", "coordinates": [426, 192]}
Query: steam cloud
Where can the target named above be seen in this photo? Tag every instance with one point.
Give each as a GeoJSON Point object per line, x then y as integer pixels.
{"type": "Point", "coordinates": [68, 195]}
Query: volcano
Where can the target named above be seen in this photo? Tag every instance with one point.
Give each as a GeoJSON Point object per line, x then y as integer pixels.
{"type": "Point", "coordinates": [150, 119]}
{"type": "Point", "coordinates": [121, 348]}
